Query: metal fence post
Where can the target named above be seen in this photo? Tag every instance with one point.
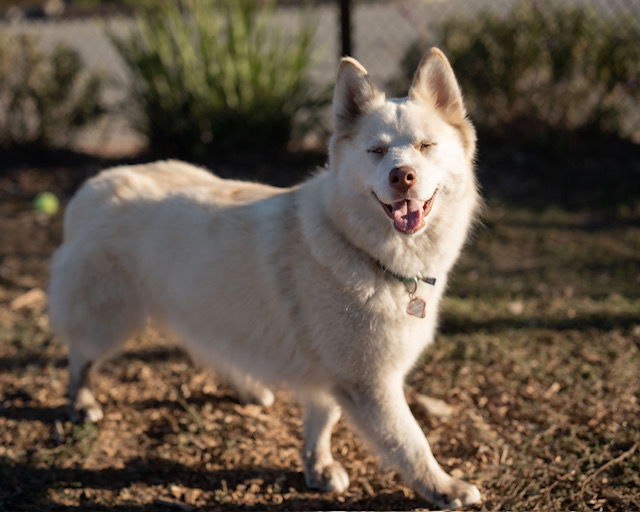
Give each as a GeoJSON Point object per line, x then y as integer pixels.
{"type": "Point", "coordinates": [345, 28]}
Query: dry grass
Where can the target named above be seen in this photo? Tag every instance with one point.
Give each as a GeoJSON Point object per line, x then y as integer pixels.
{"type": "Point", "coordinates": [538, 355]}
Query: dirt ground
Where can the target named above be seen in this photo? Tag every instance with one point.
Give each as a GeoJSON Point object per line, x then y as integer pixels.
{"type": "Point", "coordinates": [538, 358]}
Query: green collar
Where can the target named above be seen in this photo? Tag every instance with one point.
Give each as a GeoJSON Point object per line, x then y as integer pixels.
{"type": "Point", "coordinates": [408, 280]}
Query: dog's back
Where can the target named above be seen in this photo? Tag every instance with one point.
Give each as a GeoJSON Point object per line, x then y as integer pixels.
{"type": "Point", "coordinates": [121, 185]}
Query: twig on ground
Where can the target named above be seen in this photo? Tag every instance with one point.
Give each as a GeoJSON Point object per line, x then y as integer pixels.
{"type": "Point", "coordinates": [606, 466]}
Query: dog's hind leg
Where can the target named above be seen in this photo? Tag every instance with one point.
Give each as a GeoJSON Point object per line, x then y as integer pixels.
{"type": "Point", "coordinates": [249, 390]}
{"type": "Point", "coordinates": [98, 338]}
{"type": "Point", "coordinates": [321, 472]}
{"type": "Point", "coordinates": [85, 354]}
{"type": "Point", "coordinates": [94, 308]}
{"type": "Point", "coordinates": [84, 406]}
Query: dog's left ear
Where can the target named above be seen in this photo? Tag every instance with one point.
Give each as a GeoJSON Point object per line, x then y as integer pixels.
{"type": "Point", "coordinates": [435, 82]}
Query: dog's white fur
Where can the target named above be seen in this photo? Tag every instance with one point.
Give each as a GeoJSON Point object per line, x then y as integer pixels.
{"type": "Point", "coordinates": [282, 286]}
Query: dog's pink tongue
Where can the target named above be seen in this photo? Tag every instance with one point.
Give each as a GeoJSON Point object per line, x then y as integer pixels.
{"type": "Point", "coordinates": [407, 215]}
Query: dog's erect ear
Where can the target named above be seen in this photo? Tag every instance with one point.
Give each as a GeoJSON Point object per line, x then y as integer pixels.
{"type": "Point", "coordinates": [353, 95]}
{"type": "Point", "coordinates": [435, 82]}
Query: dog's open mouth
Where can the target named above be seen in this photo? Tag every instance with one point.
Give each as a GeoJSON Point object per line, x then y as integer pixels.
{"type": "Point", "coordinates": [408, 214]}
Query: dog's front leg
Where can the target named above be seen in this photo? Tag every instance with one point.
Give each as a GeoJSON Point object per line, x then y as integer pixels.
{"type": "Point", "coordinates": [380, 412]}
{"type": "Point", "coordinates": [321, 413]}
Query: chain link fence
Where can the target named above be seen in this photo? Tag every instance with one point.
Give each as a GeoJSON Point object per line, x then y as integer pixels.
{"type": "Point", "coordinates": [383, 34]}
{"type": "Point", "coordinates": [382, 31]}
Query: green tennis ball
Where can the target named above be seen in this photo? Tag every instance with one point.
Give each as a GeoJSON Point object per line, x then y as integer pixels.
{"type": "Point", "coordinates": [46, 202]}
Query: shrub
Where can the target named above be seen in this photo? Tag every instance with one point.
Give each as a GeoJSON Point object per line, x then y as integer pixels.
{"type": "Point", "coordinates": [544, 68]}
{"type": "Point", "coordinates": [213, 75]}
{"type": "Point", "coordinates": [44, 97]}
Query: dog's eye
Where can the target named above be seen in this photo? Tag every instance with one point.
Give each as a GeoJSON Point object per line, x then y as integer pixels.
{"type": "Point", "coordinates": [377, 150]}
{"type": "Point", "coordinates": [424, 146]}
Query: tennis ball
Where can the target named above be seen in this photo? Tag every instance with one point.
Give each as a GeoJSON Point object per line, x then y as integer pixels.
{"type": "Point", "coordinates": [46, 202]}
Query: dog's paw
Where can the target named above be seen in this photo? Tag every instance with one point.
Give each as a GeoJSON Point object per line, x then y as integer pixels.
{"type": "Point", "coordinates": [329, 478]}
{"type": "Point", "coordinates": [257, 396]}
{"type": "Point", "coordinates": [89, 414]}
{"type": "Point", "coordinates": [85, 408]}
{"type": "Point", "coordinates": [453, 494]}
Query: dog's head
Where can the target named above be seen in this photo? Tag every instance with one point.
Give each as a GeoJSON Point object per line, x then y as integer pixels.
{"type": "Point", "coordinates": [403, 154]}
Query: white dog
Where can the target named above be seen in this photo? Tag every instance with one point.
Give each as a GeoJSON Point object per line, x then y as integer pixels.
{"type": "Point", "coordinates": [330, 288]}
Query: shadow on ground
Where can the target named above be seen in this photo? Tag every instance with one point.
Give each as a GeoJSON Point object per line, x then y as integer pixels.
{"type": "Point", "coordinates": [29, 485]}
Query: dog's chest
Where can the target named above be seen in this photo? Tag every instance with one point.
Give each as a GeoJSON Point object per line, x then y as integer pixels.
{"type": "Point", "coordinates": [411, 301]}
{"type": "Point", "coordinates": [404, 317]}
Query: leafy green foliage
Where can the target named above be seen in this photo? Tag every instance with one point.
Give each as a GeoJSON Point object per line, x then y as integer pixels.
{"type": "Point", "coordinates": [545, 67]}
{"type": "Point", "coordinates": [44, 97]}
{"type": "Point", "coordinates": [215, 75]}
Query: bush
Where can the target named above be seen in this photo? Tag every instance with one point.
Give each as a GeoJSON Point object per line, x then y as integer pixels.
{"type": "Point", "coordinates": [213, 75]}
{"type": "Point", "coordinates": [44, 98]}
{"type": "Point", "coordinates": [545, 68]}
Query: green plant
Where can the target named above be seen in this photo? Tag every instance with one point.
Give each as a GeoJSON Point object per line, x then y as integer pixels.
{"type": "Point", "coordinates": [44, 97]}
{"type": "Point", "coordinates": [545, 67]}
{"type": "Point", "coordinates": [214, 75]}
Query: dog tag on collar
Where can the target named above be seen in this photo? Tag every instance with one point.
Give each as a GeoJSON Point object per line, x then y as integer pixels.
{"type": "Point", "coordinates": [417, 307]}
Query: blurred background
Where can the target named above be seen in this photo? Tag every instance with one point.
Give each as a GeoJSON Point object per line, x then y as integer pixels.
{"type": "Point", "coordinates": [216, 81]}
{"type": "Point", "coordinates": [539, 349]}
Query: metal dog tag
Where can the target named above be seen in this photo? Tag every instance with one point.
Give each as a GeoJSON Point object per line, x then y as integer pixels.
{"type": "Point", "coordinates": [417, 307]}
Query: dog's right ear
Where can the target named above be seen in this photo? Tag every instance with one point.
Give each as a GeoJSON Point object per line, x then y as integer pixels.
{"type": "Point", "coordinates": [353, 95]}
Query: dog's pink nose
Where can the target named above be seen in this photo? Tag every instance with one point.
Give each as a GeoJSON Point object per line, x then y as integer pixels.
{"type": "Point", "coordinates": [402, 178]}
